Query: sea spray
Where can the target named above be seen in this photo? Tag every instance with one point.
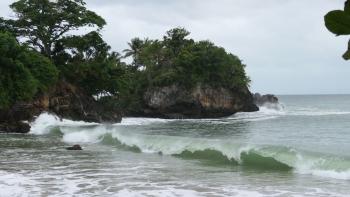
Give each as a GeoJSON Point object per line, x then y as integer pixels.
{"type": "Point", "coordinates": [44, 123]}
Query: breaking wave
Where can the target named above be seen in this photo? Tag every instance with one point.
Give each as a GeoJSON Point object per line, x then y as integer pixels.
{"type": "Point", "coordinates": [221, 151]}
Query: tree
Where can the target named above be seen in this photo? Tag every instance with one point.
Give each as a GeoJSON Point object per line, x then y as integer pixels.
{"type": "Point", "coordinates": [135, 47]}
{"type": "Point", "coordinates": [179, 60]}
{"type": "Point", "coordinates": [22, 72]}
{"type": "Point", "coordinates": [91, 65]}
{"type": "Point", "coordinates": [44, 23]}
{"type": "Point", "coordinates": [175, 39]}
{"type": "Point", "coordinates": [85, 48]}
{"type": "Point", "coordinates": [338, 22]}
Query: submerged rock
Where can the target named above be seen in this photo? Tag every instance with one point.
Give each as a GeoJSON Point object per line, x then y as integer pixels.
{"type": "Point", "coordinates": [75, 147]}
{"type": "Point", "coordinates": [199, 102]}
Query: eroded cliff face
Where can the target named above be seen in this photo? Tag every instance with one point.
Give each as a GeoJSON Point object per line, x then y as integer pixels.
{"type": "Point", "coordinates": [68, 101]}
{"type": "Point", "coordinates": [199, 102]}
{"type": "Point", "coordinates": [64, 100]}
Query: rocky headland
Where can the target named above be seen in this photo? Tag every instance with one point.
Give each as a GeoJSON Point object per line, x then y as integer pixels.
{"type": "Point", "coordinates": [198, 102]}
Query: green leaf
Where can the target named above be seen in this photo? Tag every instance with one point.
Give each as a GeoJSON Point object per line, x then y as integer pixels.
{"type": "Point", "coordinates": [347, 7]}
{"type": "Point", "coordinates": [338, 22]}
{"type": "Point", "coordinates": [346, 55]}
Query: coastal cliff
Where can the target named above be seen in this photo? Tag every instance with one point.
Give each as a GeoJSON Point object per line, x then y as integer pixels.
{"type": "Point", "coordinates": [198, 102]}
{"type": "Point", "coordinates": [64, 100]}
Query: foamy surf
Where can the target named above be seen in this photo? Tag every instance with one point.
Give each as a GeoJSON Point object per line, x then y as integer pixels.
{"type": "Point", "coordinates": [227, 150]}
{"type": "Point", "coordinates": [299, 150]}
{"type": "Point", "coordinates": [44, 123]}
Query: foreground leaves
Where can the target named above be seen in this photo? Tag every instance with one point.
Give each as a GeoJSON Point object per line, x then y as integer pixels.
{"type": "Point", "coordinates": [338, 22]}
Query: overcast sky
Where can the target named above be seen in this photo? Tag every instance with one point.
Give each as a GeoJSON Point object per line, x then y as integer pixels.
{"type": "Point", "coordinates": [284, 43]}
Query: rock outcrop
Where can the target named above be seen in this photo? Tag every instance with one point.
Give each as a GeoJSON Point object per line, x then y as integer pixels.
{"type": "Point", "coordinates": [261, 100]}
{"type": "Point", "coordinates": [199, 102]}
{"type": "Point", "coordinates": [75, 147]}
{"type": "Point", "coordinates": [13, 120]}
{"type": "Point", "coordinates": [70, 102]}
{"type": "Point", "coordinates": [65, 100]}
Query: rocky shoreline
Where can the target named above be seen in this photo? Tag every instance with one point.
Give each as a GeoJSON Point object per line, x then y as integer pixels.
{"type": "Point", "coordinates": [170, 102]}
{"type": "Point", "coordinates": [64, 100]}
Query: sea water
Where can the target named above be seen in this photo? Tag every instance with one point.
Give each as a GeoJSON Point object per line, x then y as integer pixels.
{"type": "Point", "coordinates": [298, 148]}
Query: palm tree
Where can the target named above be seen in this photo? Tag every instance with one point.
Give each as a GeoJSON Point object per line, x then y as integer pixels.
{"type": "Point", "coordinates": [134, 51]}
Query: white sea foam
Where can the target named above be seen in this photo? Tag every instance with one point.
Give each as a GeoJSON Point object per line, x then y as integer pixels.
{"type": "Point", "coordinates": [303, 163]}
{"type": "Point", "coordinates": [12, 185]}
{"type": "Point", "coordinates": [264, 113]}
{"type": "Point", "coordinates": [315, 112]}
{"type": "Point", "coordinates": [345, 175]}
{"type": "Point", "coordinates": [142, 121]}
{"type": "Point", "coordinates": [170, 192]}
{"type": "Point", "coordinates": [82, 132]}
{"type": "Point", "coordinates": [46, 122]}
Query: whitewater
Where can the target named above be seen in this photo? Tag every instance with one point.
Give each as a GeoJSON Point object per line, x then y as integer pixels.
{"type": "Point", "coordinates": [297, 148]}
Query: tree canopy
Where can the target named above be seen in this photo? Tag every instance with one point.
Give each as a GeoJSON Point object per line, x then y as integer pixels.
{"type": "Point", "coordinates": [44, 23]}
{"type": "Point", "coordinates": [23, 72]}
{"type": "Point", "coordinates": [179, 60]}
{"type": "Point", "coordinates": [49, 28]}
{"type": "Point", "coordinates": [40, 46]}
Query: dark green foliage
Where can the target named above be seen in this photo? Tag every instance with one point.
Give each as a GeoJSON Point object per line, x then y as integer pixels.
{"type": "Point", "coordinates": [48, 52]}
{"type": "Point", "coordinates": [41, 68]}
{"type": "Point", "coordinates": [338, 22]}
{"type": "Point", "coordinates": [136, 46]}
{"type": "Point", "coordinates": [18, 74]}
{"type": "Point", "coordinates": [90, 64]}
{"type": "Point", "coordinates": [84, 60]}
{"type": "Point", "coordinates": [182, 61]}
{"type": "Point", "coordinates": [97, 76]}
{"type": "Point", "coordinates": [178, 60]}
{"type": "Point", "coordinates": [44, 26]}
{"type": "Point", "coordinates": [44, 23]}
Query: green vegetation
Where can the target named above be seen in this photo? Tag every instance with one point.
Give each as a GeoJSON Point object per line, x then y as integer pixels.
{"type": "Point", "coordinates": [44, 23]}
{"type": "Point", "coordinates": [178, 60]}
{"type": "Point", "coordinates": [338, 22]}
{"type": "Point", "coordinates": [181, 61]}
{"type": "Point", "coordinates": [38, 50]}
{"type": "Point", "coordinates": [23, 73]}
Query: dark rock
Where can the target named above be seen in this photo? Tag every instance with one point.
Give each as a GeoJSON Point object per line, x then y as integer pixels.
{"type": "Point", "coordinates": [14, 127]}
{"type": "Point", "coordinates": [75, 147]}
{"type": "Point", "coordinates": [199, 102]}
{"type": "Point", "coordinates": [65, 100]}
{"type": "Point", "coordinates": [70, 102]}
{"type": "Point", "coordinates": [261, 100]}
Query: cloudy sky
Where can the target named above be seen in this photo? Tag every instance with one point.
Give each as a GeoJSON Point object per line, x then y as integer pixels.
{"type": "Point", "coordinates": [284, 43]}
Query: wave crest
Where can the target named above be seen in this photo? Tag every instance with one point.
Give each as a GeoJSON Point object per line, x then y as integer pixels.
{"type": "Point", "coordinates": [222, 151]}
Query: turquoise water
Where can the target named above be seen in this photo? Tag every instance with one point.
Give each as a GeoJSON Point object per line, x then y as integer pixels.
{"type": "Point", "coordinates": [298, 148]}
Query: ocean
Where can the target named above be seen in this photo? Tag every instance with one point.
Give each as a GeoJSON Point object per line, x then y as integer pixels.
{"type": "Point", "coordinates": [298, 148]}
